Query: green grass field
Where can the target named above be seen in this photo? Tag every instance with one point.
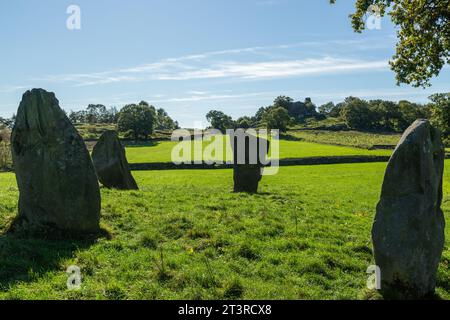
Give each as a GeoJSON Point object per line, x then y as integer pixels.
{"type": "Point", "coordinates": [161, 151]}
{"type": "Point", "coordinates": [185, 235]}
{"type": "Point", "coordinates": [348, 138]}
{"type": "Point", "coordinates": [93, 131]}
{"type": "Point", "coordinates": [298, 144]}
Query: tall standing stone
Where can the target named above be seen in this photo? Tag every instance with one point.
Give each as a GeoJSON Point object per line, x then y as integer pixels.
{"type": "Point", "coordinates": [55, 175]}
{"type": "Point", "coordinates": [111, 163]}
{"type": "Point", "coordinates": [408, 231]}
{"type": "Point", "coordinates": [248, 162]}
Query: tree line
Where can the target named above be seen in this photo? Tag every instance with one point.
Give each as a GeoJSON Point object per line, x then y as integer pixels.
{"type": "Point", "coordinates": [136, 121]}
{"type": "Point", "coordinates": [384, 115]}
{"type": "Point", "coordinates": [355, 114]}
{"type": "Point", "coordinates": [283, 113]}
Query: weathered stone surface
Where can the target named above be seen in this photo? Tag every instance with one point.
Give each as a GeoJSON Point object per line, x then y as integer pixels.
{"type": "Point", "coordinates": [111, 163]}
{"type": "Point", "coordinates": [247, 173]}
{"type": "Point", "coordinates": [55, 175]}
{"type": "Point", "coordinates": [408, 231]}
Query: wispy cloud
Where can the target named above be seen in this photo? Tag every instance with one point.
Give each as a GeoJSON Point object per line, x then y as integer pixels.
{"type": "Point", "coordinates": [336, 95]}
{"type": "Point", "coordinates": [198, 93]}
{"type": "Point", "coordinates": [251, 63]}
{"type": "Point", "coordinates": [211, 97]}
{"type": "Point", "coordinates": [277, 69]}
{"type": "Point", "coordinates": [89, 79]}
{"type": "Point", "coordinates": [9, 89]}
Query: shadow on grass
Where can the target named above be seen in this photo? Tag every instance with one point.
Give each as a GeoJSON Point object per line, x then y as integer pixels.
{"type": "Point", "coordinates": [261, 194]}
{"type": "Point", "coordinates": [289, 137]}
{"type": "Point", "coordinates": [401, 292]}
{"type": "Point", "coordinates": [25, 257]}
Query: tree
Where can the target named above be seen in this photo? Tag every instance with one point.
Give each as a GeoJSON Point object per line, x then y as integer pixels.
{"type": "Point", "coordinates": [220, 120]}
{"type": "Point", "coordinates": [356, 113]}
{"type": "Point", "coordinates": [136, 120]}
{"type": "Point", "coordinates": [310, 108]}
{"type": "Point", "coordinates": [77, 116]}
{"type": "Point", "coordinates": [283, 102]}
{"type": "Point", "coordinates": [260, 113]}
{"type": "Point", "coordinates": [297, 110]}
{"type": "Point", "coordinates": [163, 121]}
{"type": "Point", "coordinates": [109, 115]}
{"type": "Point", "coordinates": [410, 112]}
{"type": "Point", "coordinates": [385, 114]}
{"type": "Point", "coordinates": [336, 110]}
{"type": "Point", "coordinates": [326, 108]}
{"type": "Point", "coordinates": [440, 114]}
{"type": "Point", "coordinates": [277, 118]}
{"type": "Point", "coordinates": [244, 122]}
{"type": "Point", "coordinates": [94, 113]}
{"type": "Point", "coordinates": [423, 46]}
{"type": "Point", "coordinates": [7, 123]}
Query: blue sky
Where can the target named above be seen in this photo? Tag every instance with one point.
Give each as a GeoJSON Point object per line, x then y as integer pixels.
{"type": "Point", "coordinates": [191, 56]}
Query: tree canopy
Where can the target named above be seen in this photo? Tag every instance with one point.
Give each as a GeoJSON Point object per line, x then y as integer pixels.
{"type": "Point", "coordinates": [220, 120]}
{"type": "Point", "coordinates": [277, 118]}
{"type": "Point", "coordinates": [380, 114]}
{"type": "Point", "coordinates": [136, 120]}
{"type": "Point", "coordinates": [440, 114]}
{"type": "Point", "coordinates": [423, 46]}
{"type": "Point", "coordinates": [94, 113]}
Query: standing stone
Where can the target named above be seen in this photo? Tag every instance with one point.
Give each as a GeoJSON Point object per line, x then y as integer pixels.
{"type": "Point", "coordinates": [55, 175]}
{"type": "Point", "coordinates": [111, 163]}
{"type": "Point", "coordinates": [247, 169]}
{"type": "Point", "coordinates": [408, 231]}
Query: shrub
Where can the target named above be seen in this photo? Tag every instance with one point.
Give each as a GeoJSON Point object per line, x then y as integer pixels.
{"type": "Point", "coordinates": [357, 114]}
{"type": "Point", "coordinates": [440, 114]}
{"type": "Point", "coordinates": [5, 150]}
{"type": "Point", "coordinates": [136, 120]}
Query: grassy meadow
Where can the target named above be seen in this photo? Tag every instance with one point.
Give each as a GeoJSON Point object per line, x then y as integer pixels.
{"type": "Point", "coordinates": [160, 151]}
{"type": "Point", "coordinates": [185, 235]}
{"type": "Point", "coordinates": [93, 130]}
{"type": "Point", "coordinates": [293, 144]}
{"type": "Point", "coordinates": [365, 140]}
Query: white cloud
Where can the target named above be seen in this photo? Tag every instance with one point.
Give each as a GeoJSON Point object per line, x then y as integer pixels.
{"type": "Point", "coordinates": [89, 79]}
{"type": "Point", "coordinates": [211, 97]}
{"type": "Point", "coordinates": [277, 69]}
{"type": "Point", "coordinates": [229, 69]}
{"type": "Point", "coordinates": [251, 63]}
{"type": "Point", "coordinates": [9, 89]}
{"type": "Point", "coordinates": [198, 93]}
